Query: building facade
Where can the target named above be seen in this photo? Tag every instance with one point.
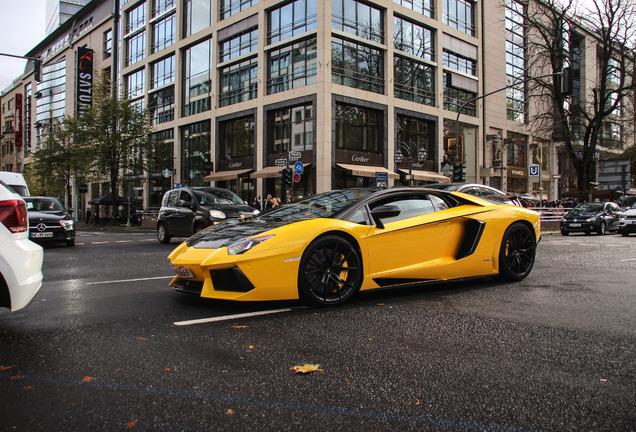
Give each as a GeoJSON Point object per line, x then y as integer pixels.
{"type": "Point", "coordinates": [234, 87]}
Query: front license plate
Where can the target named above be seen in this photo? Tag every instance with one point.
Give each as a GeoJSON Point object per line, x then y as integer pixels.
{"type": "Point", "coordinates": [575, 225]}
{"type": "Point", "coordinates": [183, 272]}
{"type": "Point", "coordinates": [41, 234]}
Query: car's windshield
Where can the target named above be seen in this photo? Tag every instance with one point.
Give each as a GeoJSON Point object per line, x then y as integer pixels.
{"type": "Point", "coordinates": [588, 208]}
{"type": "Point", "coordinates": [43, 204]}
{"type": "Point", "coordinates": [217, 197]}
{"type": "Point", "coordinates": [323, 205]}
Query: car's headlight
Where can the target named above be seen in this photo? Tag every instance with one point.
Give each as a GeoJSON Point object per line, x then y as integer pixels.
{"type": "Point", "coordinates": [247, 244]}
{"type": "Point", "coordinates": [217, 214]}
{"type": "Point", "coordinates": [255, 212]}
{"type": "Point", "coordinates": [67, 224]}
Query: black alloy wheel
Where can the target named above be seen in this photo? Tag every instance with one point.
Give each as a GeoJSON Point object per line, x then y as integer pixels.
{"type": "Point", "coordinates": [517, 253]}
{"type": "Point", "coordinates": [162, 234]}
{"type": "Point", "coordinates": [565, 232]}
{"type": "Point", "coordinates": [330, 272]}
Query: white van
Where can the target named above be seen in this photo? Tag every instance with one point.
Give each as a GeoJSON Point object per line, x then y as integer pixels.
{"type": "Point", "coordinates": [15, 181]}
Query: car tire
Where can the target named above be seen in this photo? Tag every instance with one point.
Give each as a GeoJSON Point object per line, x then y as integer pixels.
{"type": "Point", "coordinates": [602, 230]}
{"type": "Point", "coordinates": [330, 271]}
{"type": "Point", "coordinates": [565, 232]}
{"type": "Point", "coordinates": [517, 252]}
{"type": "Point", "coordinates": [588, 232]}
{"type": "Point", "coordinates": [70, 243]}
{"type": "Point", "coordinates": [624, 233]}
{"type": "Point", "coordinates": [162, 234]}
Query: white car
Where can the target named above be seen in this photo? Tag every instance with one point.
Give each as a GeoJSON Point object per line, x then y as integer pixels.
{"type": "Point", "coordinates": [627, 221]}
{"type": "Point", "coordinates": [20, 258]}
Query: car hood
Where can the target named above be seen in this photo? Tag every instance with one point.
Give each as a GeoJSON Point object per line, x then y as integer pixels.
{"type": "Point", "coordinates": [233, 230]}
{"type": "Point", "coordinates": [47, 216]}
{"type": "Point", "coordinates": [630, 212]}
{"type": "Point", "coordinates": [584, 215]}
{"type": "Point", "coordinates": [231, 210]}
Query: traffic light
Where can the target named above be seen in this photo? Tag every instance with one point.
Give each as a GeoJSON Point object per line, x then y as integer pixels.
{"type": "Point", "coordinates": [459, 172]}
{"type": "Point", "coordinates": [287, 175]}
{"type": "Point", "coordinates": [566, 82]}
{"type": "Point", "coordinates": [37, 70]}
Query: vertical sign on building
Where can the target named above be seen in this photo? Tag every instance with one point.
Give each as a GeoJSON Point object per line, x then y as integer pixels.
{"type": "Point", "coordinates": [18, 120]}
{"type": "Point", "coordinates": [84, 79]}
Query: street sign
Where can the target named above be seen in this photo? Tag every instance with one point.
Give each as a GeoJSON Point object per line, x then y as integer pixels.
{"type": "Point", "coordinates": [299, 167]}
{"type": "Point", "coordinates": [294, 155]}
{"type": "Point", "coordinates": [381, 179]}
{"type": "Point", "coordinates": [281, 162]}
{"type": "Point", "coordinates": [533, 173]}
{"type": "Point", "coordinates": [296, 177]}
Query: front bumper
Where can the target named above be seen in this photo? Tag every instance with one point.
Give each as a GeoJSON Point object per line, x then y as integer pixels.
{"type": "Point", "coordinates": [51, 235]}
{"type": "Point", "coordinates": [22, 271]}
{"type": "Point", "coordinates": [579, 226]}
{"type": "Point", "coordinates": [628, 226]}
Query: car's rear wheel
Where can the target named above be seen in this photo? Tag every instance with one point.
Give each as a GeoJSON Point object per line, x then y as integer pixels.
{"type": "Point", "coordinates": [625, 233]}
{"type": "Point", "coordinates": [517, 253]}
{"type": "Point", "coordinates": [565, 232]}
{"type": "Point", "coordinates": [162, 234]}
{"type": "Point", "coordinates": [602, 229]}
{"type": "Point", "coordinates": [330, 271]}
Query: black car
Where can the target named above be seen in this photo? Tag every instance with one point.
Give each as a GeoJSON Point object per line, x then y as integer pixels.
{"type": "Point", "coordinates": [49, 221]}
{"type": "Point", "coordinates": [598, 217]}
{"type": "Point", "coordinates": [187, 210]}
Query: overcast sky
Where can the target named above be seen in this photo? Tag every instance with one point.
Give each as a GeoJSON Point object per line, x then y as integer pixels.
{"type": "Point", "coordinates": [22, 27]}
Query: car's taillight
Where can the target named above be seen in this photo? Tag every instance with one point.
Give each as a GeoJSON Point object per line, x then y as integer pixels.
{"type": "Point", "coordinates": [13, 215]}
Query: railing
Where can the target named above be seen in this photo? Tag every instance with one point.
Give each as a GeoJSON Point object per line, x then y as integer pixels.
{"type": "Point", "coordinates": [551, 214]}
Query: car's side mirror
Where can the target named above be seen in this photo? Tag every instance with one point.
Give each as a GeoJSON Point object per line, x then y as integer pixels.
{"type": "Point", "coordinates": [383, 212]}
{"type": "Point", "coordinates": [71, 210]}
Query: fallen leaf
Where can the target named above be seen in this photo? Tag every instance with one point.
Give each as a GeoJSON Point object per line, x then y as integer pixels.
{"type": "Point", "coordinates": [17, 377]}
{"type": "Point", "coordinates": [229, 412]}
{"type": "Point", "coordinates": [142, 338]}
{"type": "Point", "coordinates": [239, 326]}
{"type": "Point", "coordinates": [380, 304]}
{"type": "Point", "coordinates": [251, 347]}
{"type": "Point", "coordinates": [131, 424]}
{"type": "Point", "coordinates": [167, 369]}
{"type": "Point", "coordinates": [87, 379]}
{"type": "Point", "coordinates": [306, 368]}
{"type": "Point", "coordinates": [4, 368]}
{"type": "Point", "coordinates": [28, 387]}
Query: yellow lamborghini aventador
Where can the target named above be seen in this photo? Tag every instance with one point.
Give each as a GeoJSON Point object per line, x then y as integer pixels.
{"type": "Point", "coordinates": [325, 248]}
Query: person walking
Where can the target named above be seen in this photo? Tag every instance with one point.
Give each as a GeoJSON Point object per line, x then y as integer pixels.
{"type": "Point", "coordinates": [268, 202]}
{"type": "Point", "coordinates": [256, 204]}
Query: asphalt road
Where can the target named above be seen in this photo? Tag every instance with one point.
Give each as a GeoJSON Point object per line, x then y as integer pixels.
{"type": "Point", "coordinates": [100, 349]}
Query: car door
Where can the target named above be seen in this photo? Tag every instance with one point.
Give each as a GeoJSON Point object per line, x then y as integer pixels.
{"type": "Point", "coordinates": [184, 215]}
{"type": "Point", "coordinates": [613, 216]}
{"type": "Point", "coordinates": [416, 244]}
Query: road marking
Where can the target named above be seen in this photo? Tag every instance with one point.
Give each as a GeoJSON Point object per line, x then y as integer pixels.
{"type": "Point", "coordinates": [123, 241]}
{"type": "Point", "coordinates": [627, 259]}
{"type": "Point", "coordinates": [129, 280]}
{"type": "Point", "coordinates": [236, 316]}
{"type": "Point", "coordinates": [100, 242]}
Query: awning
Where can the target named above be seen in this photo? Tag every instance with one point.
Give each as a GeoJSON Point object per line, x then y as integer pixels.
{"type": "Point", "coordinates": [271, 171]}
{"type": "Point", "coordinates": [367, 170]}
{"type": "Point", "coordinates": [225, 175]}
{"type": "Point", "coordinates": [427, 175]}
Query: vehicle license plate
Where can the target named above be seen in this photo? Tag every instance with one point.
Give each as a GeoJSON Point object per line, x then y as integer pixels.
{"type": "Point", "coordinates": [41, 234]}
{"type": "Point", "coordinates": [183, 272]}
{"type": "Point", "coordinates": [575, 225]}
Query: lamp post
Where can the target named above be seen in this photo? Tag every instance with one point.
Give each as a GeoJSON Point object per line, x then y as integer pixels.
{"type": "Point", "coordinates": [410, 148]}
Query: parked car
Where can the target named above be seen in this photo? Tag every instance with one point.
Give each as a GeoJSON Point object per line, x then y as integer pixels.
{"type": "Point", "coordinates": [20, 258]}
{"type": "Point", "coordinates": [15, 182]}
{"type": "Point", "coordinates": [479, 190]}
{"type": "Point", "coordinates": [49, 221]}
{"type": "Point", "coordinates": [627, 223]}
{"type": "Point", "coordinates": [625, 202]}
{"type": "Point", "coordinates": [187, 210]}
{"type": "Point", "coordinates": [328, 246]}
{"type": "Point", "coordinates": [598, 217]}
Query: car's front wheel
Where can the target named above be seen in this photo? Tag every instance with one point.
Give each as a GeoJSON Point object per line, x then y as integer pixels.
{"type": "Point", "coordinates": [517, 253]}
{"type": "Point", "coordinates": [602, 229]}
{"type": "Point", "coordinates": [565, 232]}
{"type": "Point", "coordinates": [162, 234]}
{"type": "Point", "coordinates": [330, 271]}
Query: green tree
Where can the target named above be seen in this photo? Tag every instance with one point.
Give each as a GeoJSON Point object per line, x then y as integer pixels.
{"type": "Point", "coordinates": [57, 161]}
{"type": "Point", "coordinates": [116, 133]}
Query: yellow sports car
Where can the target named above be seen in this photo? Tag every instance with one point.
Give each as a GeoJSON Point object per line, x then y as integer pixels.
{"type": "Point", "coordinates": [326, 247]}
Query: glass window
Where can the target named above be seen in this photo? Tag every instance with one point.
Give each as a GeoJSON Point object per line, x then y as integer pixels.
{"type": "Point", "coordinates": [460, 63]}
{"type": "Point", "coordinates": [292, 66]}
{"type": "Point", "coordinates": [239, 82]}
{"type": "Point", "coordinates": [108, 43]}
{"type": "Point", "coordinates": [357, 65]}
{"type": "Point", "coordinates": [161, 105]}
{"type": "Point", "coordinates": [515, 61]}
{"type": "Point", "coordinates": [231, 7]}
{"type": "Point", "coordinates": [197, 79]}
{"type": "Point", "coordinates": [517, 151]}
{"type": "Point", "coordinates": [135, 48]}
{"type": "Point", "coordinates": [413, 38]}
{"type": "Point", "coordinates": [197, 16]}
{"type": "Point", "coordinates": [358, 128]}
{"type": "Point", "coordinates": [357, 18]}
{"type": "Point", "coordinates": [135, 84]}
{"type": "Point", "coordinates": [290, 128]}
{"type": "Point", "coordinates": [454, 98]}
{"type": "Point", "coordinates": [136, 18]}
{"type": "Point", "coordinates": [292, 19]}
{"type": "Point", "coordinates": [413, 81]}
{"type": "Point", "coordinates": [163, 72]}
{"type": "Point", "coordinates": [459, 14]}
{"type": "Point", "coordinates": [425, 7]}
{"type": "Point", "coordinates": [238, 45]}
{"type": "Point", "coordinates": [161, 6]}
{"type": "Point", "coordinates": [164, 33]}
{"type": "Point", "coordinates": [195, 153]}
{"type": "Point", "coordinates": [236, 138]}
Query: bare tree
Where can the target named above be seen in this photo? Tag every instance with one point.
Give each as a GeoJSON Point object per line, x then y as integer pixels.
{"type": "Point", "coordinates": [582, 121]}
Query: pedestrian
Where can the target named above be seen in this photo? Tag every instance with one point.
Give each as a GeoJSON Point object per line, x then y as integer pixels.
{"type": "Point", "coordinates": [256, 204]}
{"type": "Point", "coordinates": [268, 202]}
